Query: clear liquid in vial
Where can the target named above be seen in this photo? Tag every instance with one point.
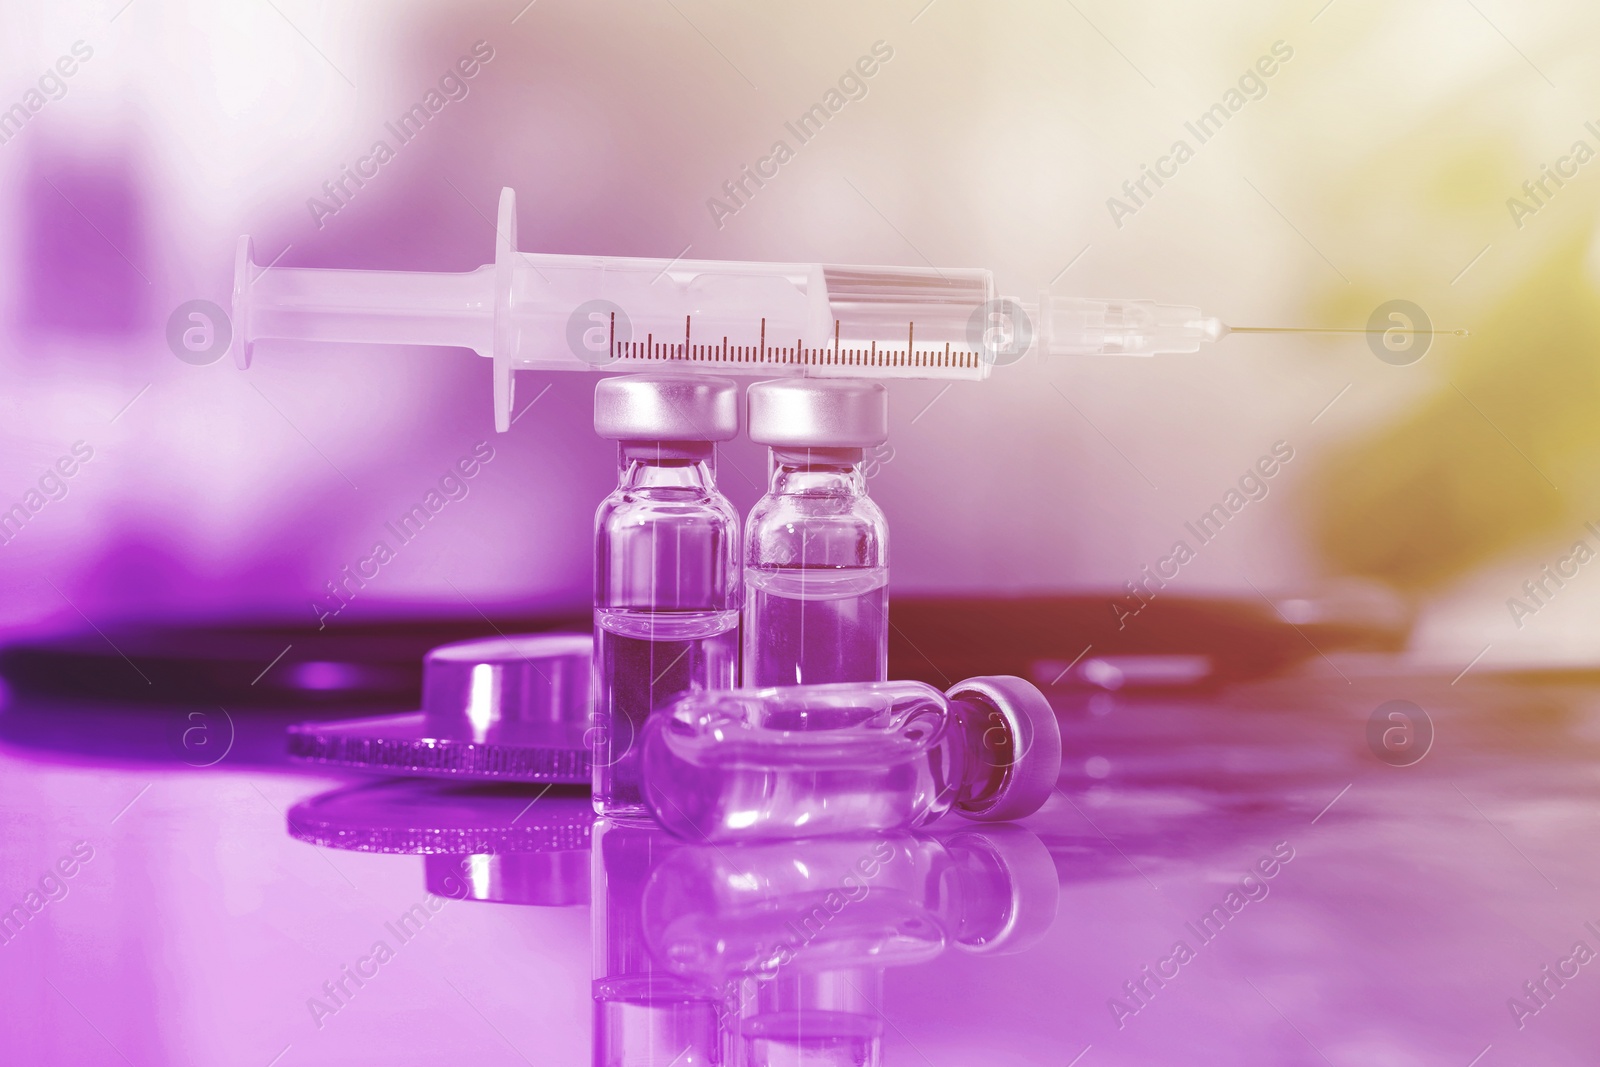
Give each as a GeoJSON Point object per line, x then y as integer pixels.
{"type": "Point", "coordinates": [815, 625]}
{"type": "Point", "coordinates": [644, 660]}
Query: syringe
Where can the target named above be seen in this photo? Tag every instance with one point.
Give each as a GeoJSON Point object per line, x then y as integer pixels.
{"type": "Point", "coordinates": [563, 312]}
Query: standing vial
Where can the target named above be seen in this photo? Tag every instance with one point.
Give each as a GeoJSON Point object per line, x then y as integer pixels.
{"type": "Point", "coordinates": [816, 546]}
{"type": "Point", "coordinates": [666, 603]}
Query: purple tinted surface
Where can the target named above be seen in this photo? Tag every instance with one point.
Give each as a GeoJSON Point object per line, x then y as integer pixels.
{"type": "Point", "coordinates": [1333, 907]}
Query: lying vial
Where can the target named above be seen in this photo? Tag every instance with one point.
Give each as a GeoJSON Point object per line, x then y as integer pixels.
{"type": "Point", "coordinates": [666, 604]}
{"type": "Point", "coordinates": [816, 546]}
{"type": "Point", "coordinates": [844, 758]}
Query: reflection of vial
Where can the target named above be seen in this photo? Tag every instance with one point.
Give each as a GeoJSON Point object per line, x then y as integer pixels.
{"type": "Point", "coordinates": [802, 931]}
{"type": "Point", "coordinates": [808, 760]}
{"type": "Point", "coordinates": [644, 1014]}
{"type": "Point", "coordinates": [666, 604]}
{"type": "Point", "coordinates": [816, 546]}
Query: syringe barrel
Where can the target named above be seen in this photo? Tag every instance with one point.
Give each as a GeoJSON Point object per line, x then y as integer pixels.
{"type": "Point", "coordinates": [616, 315]}
{"type": "Point", "coordinates": [381, 307]}
{"type": "Point", "coordinates": [619, 315]}
{"type": "Point", "coordinates": [1083, 327]}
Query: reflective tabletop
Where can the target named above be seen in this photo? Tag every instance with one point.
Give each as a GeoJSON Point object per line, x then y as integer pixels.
{"type": "Point", "coordinates": [1355, 865]}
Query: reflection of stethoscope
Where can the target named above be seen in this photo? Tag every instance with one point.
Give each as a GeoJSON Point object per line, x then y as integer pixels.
{"type": "Point", "coordinates": [501, 844]}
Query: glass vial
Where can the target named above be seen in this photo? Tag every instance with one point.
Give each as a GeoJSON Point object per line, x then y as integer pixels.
{"type": "Point", "coordinates": [811, 760]}
{"type": "Point", "coordinates": [816, 546]}
{"type": "Point", "coordinates": [667, 597]}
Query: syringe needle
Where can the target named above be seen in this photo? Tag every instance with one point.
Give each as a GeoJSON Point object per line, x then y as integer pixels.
{"type": "Point", "coordinates": [1081, 326]}
{"type": "Point", "coordinates": [1340, 329]}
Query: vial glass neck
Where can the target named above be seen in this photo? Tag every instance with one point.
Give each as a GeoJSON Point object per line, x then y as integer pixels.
{"type": "Point", "coordinates": [814, 471]}
{"type": "Point", "coordinates": [666, 465]}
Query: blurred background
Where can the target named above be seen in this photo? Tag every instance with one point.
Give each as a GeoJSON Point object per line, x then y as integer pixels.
{"type": "Point", "coordinates": [1382, 160]}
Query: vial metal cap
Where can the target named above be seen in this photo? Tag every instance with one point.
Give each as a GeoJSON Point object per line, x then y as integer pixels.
{"type": "Point", "coordinates": [818, 413]}
{"type": "Point", "coordinates": [666, 407]}
{"type": "Point", "coordinates": [1028, 763]}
